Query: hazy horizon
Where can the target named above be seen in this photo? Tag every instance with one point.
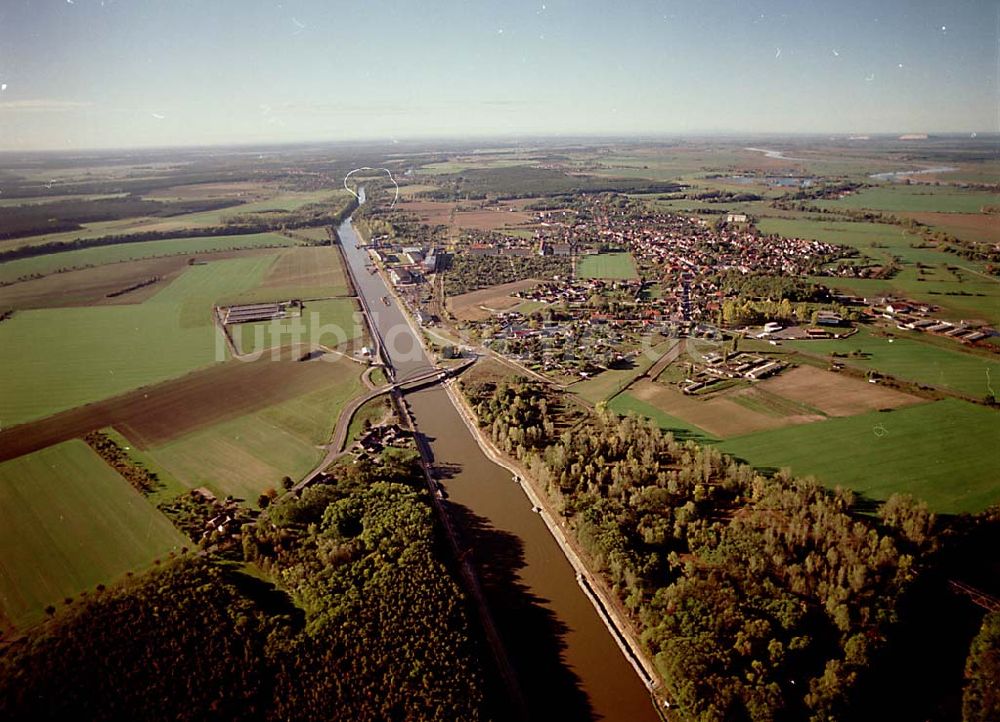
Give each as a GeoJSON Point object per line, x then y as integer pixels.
{"type": "Point", "coordinates": [106, 74]}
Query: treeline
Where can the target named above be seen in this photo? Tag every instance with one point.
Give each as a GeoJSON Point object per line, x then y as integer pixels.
{"type": "Point", "coordinates": [529, 182]}
{"type": "Point", "coordinates": [757, 598]}
{"type": "Point", "coordinates": [981, 700]}
{"type": "Point", "coordinates": [469, 273]}
{"type": "Point", "coordinates": [367, 623]}
{"type": "Point", "coordinates": [141, 478]}
{"type": "Point", "coordinates": [722, 196]}
{"type": "Point", "coordinates": [39, 218]}
{"type": "Point", "coordinates": [249, 224]}
{"type": "Point", "coordinates": [181, 642]}
{"type": "Point", "coordinates": [133, 287]}
{"type": "Point", "coordinates": [772, 288]}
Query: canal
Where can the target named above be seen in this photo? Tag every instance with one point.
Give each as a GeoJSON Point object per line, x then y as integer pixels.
{"type": "Point", "coordinates": [566, 661]}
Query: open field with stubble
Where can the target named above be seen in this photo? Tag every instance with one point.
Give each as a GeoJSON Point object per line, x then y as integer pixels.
{"type": "Point", "coordinates": [68, 522]}
{"type": "Point", "coordinates": [480, 305]}
{"type": "Point", "coordinates": [155, 415]}
{"type": "Point", "coordinates": [246, 454]}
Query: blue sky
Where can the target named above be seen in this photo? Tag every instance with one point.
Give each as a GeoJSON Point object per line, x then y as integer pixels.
{"type": "Point", "coordinates": [116, 73]}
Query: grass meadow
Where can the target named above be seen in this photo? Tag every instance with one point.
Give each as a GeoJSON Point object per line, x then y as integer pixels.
{"type": "Point", "coordinates": [900, 197]}
{"type": "Point", "coordinates": [328, 323]}
{"type": "Point", "coordinates": [68, 522]}
{"type": "Point", "coordinates": [936, 451]}
{"type": "Point", "coordinates": [912, 360]}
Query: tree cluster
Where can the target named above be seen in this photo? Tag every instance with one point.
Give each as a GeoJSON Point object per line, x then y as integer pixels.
{"type": "Point", "coordinates": [363, 622]}
{"type": "Point", "coordinates": [758, 598]}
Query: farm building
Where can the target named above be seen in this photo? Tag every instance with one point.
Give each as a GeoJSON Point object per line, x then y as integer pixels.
{"type": "Point", "coordinates": [401, 276]}
{"type": "Point", "coordinates": [254, 312]}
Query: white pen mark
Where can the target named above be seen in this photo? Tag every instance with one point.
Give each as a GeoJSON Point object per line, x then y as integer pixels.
{"type": "Point", "coordinates": [385, 170]}
{"type": "Point", "coordinates": [777, 53]}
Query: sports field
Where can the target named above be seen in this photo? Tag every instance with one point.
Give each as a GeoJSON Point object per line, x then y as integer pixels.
{"type": "Point", "coordinates": [43, 265]}
{"type": "Point", "coordinates": [935, 451]}
{"type": "Point", "coordinates": [913, 360]}
{"type": "Point", "coordinates": [68, 522]}
{"type": "Point", "coordinates": [55, 359]}
{"type": "Point", "coordinates": [607, 265]}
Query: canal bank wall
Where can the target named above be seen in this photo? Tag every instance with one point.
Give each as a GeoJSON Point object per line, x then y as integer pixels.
{"type": "Point", "coordinates": [594, 588]}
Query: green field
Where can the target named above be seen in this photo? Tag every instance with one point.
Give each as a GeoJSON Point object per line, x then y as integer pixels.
{"type": "Point", "coordinates": [246, 455]}
{"type": "Point", "coordinates": [67, 523]}
{"type": "Point", "coordinates": [939, 452]}
{"type": "Point", "coordinates": [43, 265]}
{"type": "Point", "coordinates": [957, 285]}
{"type": "Point", "coordinates": [328, 323]}
{"type": "Point", "coordinates": [858, 235]}
{"type": "Point", "coordinates": [912, 360]}
{"type": "Point", "coordinates": [899, 197]}
{"type": "Point", "coordinates": [625, 403]}
{"type": "Point", "coordinates": [607, 265]}
{"type": "Point", "coordinates": [55, 359]}
{"type": "Point", "coordinates": [289, 201]}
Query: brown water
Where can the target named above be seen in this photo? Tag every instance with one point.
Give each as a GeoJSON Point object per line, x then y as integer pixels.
{"type": "Point", "coordinates": [567, 663]}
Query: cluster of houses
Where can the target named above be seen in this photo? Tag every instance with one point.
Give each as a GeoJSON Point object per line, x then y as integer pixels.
{"type": "Point", "coordinates": [578, 347]}
{"type": "Point", "coordinates": [375, 440]}
{"type": "Point", "coordinates": [720, 367]}
{"type": "Point", "coordinates": [220, 520]}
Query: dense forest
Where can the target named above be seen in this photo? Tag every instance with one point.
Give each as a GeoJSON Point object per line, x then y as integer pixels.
{"type": "Point", "coordinates": [529, 182]}
{"type": "Point", "coordinates": [758, 598]}
{"type": "Point", "coordinates": [363, 622]}
{"type": "Point", "coordinates": [67, 215]}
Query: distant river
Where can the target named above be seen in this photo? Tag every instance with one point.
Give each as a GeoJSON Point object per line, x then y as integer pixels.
{"type": "Point", "coordinates": [899, 174]}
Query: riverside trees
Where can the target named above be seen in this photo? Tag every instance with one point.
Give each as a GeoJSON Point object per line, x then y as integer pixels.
{"type": "Point", "coordinates": [758, 598]}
